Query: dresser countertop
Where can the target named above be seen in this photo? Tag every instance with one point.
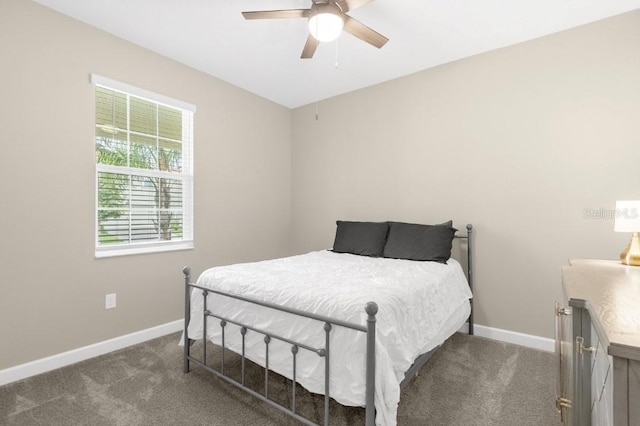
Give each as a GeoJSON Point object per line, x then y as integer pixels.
{"type": "Point", "coordinates": [610, 291]}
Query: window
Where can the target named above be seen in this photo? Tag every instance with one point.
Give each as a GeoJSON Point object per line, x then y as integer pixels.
{"type": "Point", "coordinates": [144, 170]}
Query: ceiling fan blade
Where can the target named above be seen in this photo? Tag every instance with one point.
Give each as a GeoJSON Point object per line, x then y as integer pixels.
{"type": "Point", "coordinates": [276, 14]}
{"type": "Point", "coordinates": [309, 48]}
{"type": "Point", "coordinates": [363, 32]}
{"type": "Point", "coordinates": [347, 5]}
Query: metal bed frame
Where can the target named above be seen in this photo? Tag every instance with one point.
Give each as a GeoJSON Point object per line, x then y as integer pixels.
{"type": "Point", "coordinates": [371, 309]}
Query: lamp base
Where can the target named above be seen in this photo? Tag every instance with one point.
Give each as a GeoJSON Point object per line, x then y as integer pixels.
{"type": "Point", "coordinates": [631, 255]}
{"type": "Point", "coordinates": [631, 260]}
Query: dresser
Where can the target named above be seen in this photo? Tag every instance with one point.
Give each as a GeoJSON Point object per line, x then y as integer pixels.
{"type": "Point", "coordinates": [598, 344]}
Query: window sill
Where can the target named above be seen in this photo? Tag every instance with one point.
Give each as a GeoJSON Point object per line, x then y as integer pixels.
{"type": "Point", "coordinates": [142, 249]}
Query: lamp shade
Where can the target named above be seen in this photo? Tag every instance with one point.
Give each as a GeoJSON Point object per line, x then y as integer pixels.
{"type": "Point", "coordinates": [627, 216]}
{"type": "Point", "coordinates": [326, 26]}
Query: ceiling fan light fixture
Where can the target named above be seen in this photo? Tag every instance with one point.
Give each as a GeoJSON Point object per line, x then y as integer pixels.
{"type": "Point", "coordinates": [326, 26]}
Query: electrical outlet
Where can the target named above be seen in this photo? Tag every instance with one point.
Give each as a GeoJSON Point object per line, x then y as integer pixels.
{"type": "Point", "coordinates": [110, 301]}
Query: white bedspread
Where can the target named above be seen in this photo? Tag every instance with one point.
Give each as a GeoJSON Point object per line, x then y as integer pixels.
{"type": "Point", "coordinates": [420, 305]}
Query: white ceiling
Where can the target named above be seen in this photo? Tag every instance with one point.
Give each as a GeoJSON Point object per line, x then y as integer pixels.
{"type": "Point", "coordinates": [263, 56]}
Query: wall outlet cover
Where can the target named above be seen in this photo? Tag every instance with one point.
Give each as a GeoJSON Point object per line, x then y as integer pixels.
{"type": "Point", "coordinates": [110, 301]}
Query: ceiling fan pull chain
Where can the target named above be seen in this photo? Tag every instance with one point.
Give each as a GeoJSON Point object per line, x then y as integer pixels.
{"type": "Point", "coordinates": [336, 63]}
{"type": "Point", "coordinates": [315, 83]}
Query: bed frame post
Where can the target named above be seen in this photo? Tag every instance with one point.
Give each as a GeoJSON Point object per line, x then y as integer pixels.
{"type": "Point", "coordinates": [187, 314]}
{"type": "Point", "coordinates": [470, 271]}
{"type": "Point", "coordinates": [371, 309]}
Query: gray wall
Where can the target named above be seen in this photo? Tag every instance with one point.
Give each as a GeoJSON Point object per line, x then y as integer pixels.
{"type": "Point", "coordinates": [52, 289]}
{"type": "Point", "coordinates": [518, 141]}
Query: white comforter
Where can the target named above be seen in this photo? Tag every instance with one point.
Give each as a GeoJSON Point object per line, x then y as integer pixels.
{"type": "Point", "coordinates": [420, 305]}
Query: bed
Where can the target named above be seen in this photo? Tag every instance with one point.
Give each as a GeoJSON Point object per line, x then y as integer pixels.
{"type": "Point", "coordinates": [370, 312]}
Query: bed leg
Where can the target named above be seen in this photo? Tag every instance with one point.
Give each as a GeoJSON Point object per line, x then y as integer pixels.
{"type": "Point", "coordinates": [370, 412]}
{"type": "Point", "coordinates": [470, 270]}
{"type": "Point", "coordinates": [187, 313]}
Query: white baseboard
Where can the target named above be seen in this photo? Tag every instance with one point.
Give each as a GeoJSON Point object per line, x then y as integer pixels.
{"type": "Point", "coordinates": [43, 365]}
{"type": "Point", "coordinates": [528, 340]}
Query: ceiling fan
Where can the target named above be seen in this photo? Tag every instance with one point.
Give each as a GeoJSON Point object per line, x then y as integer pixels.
{"type": "Point", "coordinates": [327, 19]}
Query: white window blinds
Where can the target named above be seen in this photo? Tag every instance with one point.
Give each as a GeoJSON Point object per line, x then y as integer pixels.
{"type": "Point", "coordinates": [144, 170]}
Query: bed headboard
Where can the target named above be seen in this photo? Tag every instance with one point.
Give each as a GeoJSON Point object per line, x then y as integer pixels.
{"type": "Point", "coordinates": [462, 251]}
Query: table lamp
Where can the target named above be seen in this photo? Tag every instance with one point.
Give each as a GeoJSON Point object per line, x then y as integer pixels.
{"type": "Point", "coordinates": [628, 220]}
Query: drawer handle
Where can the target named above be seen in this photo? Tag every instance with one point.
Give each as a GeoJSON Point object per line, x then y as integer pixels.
{"type": "Point", "coordinates": [590, 349]}
{"type": "Point", "coordinates": [563, 403]}
{"type": "Point", "coordinates": [581, 348]}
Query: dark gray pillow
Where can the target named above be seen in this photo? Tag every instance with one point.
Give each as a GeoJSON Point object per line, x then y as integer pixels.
{"type": "Point", "coordinates": [363, 238]}
{"type": "Point", "coordinates": [412, 241]}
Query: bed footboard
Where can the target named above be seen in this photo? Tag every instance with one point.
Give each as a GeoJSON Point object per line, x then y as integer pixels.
{"type": "Point", "coordinates": [371, 309]}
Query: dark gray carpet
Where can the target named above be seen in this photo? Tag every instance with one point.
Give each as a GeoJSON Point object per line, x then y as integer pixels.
{"type": "Point", "coordinates": [469, 381]}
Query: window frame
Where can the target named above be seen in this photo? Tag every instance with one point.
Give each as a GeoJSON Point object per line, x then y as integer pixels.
{"type": "Point", "coordinates": [186, 175]}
